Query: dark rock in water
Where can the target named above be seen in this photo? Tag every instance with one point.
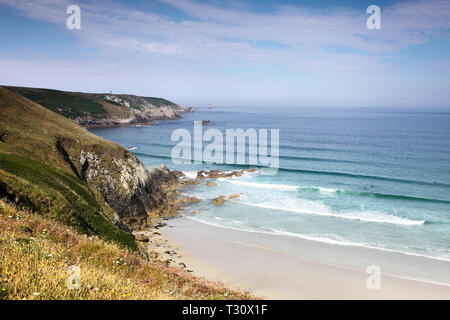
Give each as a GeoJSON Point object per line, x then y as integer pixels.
{"type": "Point", "coordinates": [219, 200]}
{"type": "Point", "coordinates": [190, 199]}
{"type": "Point", "coordinates": [201, 174]}
{"type": "Point", "coordinates": [215, 174]}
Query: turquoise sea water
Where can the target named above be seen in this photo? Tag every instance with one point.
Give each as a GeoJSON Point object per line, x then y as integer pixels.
{"type": "Point", "coordinates": [367, 177]}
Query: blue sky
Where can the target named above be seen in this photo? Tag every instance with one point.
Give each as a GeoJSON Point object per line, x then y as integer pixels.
{"type": "Point", "coordinates": [196, 52]}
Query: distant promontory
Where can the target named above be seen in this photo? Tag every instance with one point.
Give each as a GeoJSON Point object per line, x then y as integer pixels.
{"type": "Point", "coordinates": [104, 109]}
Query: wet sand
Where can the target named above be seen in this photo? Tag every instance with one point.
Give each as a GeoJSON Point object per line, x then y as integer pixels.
{"type": "Point", "coordinates": [284, 267]}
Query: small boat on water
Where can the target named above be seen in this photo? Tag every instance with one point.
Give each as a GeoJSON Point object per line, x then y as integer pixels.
{"type": "Point", "coordinates": [131, 148]}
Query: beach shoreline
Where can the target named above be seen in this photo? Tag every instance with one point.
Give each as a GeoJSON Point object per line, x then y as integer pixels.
{"type": "Point", "coordinates": [281, 267]}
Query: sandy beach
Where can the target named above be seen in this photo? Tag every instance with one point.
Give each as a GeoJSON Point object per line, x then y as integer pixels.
{"type": "Point", "coordinates": [284, 267]}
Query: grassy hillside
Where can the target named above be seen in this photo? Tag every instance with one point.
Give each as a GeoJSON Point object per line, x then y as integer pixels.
{"type": "Point", "coordinates": [159, 102]}
{"type": "Point", "coordinates": [137, 102]}
{"type": "Point", "coordinates": [35, 174]}
{"type": "Point", "coordinates": [32, 131]}
{"type": "Point", "coordinates": [68, 104]}
{"type": "Point", "coordinates": [36, 252]}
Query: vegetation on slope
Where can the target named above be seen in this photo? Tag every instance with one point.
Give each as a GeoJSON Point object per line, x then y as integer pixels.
{"type": "Point", "coordinates": [35, 254]}
{"type": "Point", "coordinates": [36, 174]}
{"type": "Point", "coordinates": [59, 195]}
{"type": "Point", "coordinates": [68, 104]}
{"type": "Point", "coordinates": [159, 102]}
{"type": "Point", "coordinates": [32, 131]}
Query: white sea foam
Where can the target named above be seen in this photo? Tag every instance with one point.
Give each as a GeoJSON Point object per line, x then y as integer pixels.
{"type": "Point", "coordinates": [276, 186]}
{"type": "Point", "coordinates": [261, 185]}
{"type": "Point", "coordinates": [222, 224]}
{"type": "Point", "coordinates": [320, 189]}
{"type": "Point", "coordinates": [190, 174]}
{"type": "Point", "coordinates": [327, 190]}
{"type": "Point", "coordinates": [303, 206]}
{"type": "Point", "coordinates": [315, 238]}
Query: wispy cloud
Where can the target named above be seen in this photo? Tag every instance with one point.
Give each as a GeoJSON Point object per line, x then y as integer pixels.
{"type": "Point", "coordinates": [402, 24]}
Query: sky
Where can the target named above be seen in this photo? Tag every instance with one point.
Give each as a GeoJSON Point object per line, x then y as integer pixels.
{"type": "Point", "coordinates": [235, 52]}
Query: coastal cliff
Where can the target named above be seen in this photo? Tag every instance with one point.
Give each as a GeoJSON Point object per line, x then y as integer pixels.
{"type": "Point", "coordinates": [104, 110]}
{"type": "Point", "coordinates": [51, 165]}
{"type": "Point", "coordinates": [134, 193]}
{"type": "Point", "coordinates": [69, 198]}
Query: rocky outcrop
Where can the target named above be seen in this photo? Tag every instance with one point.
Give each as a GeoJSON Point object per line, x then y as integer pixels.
{"type": "Point", "coordinates": [145, 116]}
{"type": "Point", "coordinates": [142, 238]}
{"type": "Point", "coordinates": [96, 122]}
{"type": "Point", "coordinates": [136, 194]}
{"type": "Point", "coordinates": [215, 174]}
{"type": "Point", "coordinates": [138, 197]}
{"type": "Point", "coordinates": [219, 200]}
{"type": "Point", "coordinates": [190, 200]}
{"type": "Point", "coordinates": [135, 110]}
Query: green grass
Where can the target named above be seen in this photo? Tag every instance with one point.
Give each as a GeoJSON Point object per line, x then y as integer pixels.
{"type": "Point", "coordinates": [68, 104]}
{"type": "Point", "coordinates": [159, 102]}
{"type": "Point", "coordinates": [59, 195]}
{"type": "Point", "coordinates": [137, 102]}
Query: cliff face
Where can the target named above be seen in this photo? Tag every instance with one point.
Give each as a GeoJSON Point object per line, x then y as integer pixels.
{"type": "Point", "coordinates": [135, 194]}
{"type": "Point", "coordinates": [54, 166]}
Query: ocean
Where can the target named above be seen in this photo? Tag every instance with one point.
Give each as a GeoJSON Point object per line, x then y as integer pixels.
{"type": "Point", "coordinates": [377, 178]}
